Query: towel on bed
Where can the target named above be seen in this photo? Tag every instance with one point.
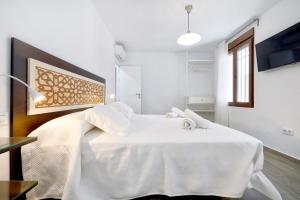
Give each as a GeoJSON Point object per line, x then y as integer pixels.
{"type": "Point", "coordinates": [171, 115]}
{"type": "Point", "coordinates": [188, 124]}
{"type": "Point", "coordinates": [200, 121]}
{"type": "Point", "coordinates": [179, 112]}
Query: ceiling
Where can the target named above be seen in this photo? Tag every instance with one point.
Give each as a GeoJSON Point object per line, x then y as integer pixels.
{"type": "Point", "coordinates": [155, 25]}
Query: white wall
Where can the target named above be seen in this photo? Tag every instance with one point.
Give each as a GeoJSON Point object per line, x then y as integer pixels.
{"type": "Point", "coordinates": [201, 80]}
{"type": "Point", "coordinates": [160, 80]}
{"type": "Point", "coordinates": [277, 92]}
{"type": "Point", "coordinates": [69, 29]}
{"type": "Point", "coordinates": [163, 78]}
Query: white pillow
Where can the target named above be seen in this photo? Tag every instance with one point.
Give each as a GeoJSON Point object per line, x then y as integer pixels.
{"type": "Point", "coordinates": [200, 121]}
{"type": "Point", "coordinates": [107, 119]}
{"type": "Point", "coordinates": [122, 108]}
{"type": "Point", "coordinates": [62, 130]}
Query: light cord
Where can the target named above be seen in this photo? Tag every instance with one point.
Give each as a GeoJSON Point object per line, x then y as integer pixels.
{"type": "Point", "coordinates": [15, 78]}
{"type": "Point", "coordinates": [188, 23]}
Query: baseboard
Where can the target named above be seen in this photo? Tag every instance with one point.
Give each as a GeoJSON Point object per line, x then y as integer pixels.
{"type": "Point", "coordinates": [293, 159]}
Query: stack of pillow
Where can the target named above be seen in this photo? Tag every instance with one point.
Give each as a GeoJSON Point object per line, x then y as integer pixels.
{"type": "Point", "coordinates": [113, 118]}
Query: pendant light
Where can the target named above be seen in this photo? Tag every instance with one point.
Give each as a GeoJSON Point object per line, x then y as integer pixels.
{"type": "Point", "coordinates": [189, 38]}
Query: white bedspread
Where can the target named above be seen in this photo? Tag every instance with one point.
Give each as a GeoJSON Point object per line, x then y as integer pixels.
{"type": "Point", "coordinates": [159, 157]}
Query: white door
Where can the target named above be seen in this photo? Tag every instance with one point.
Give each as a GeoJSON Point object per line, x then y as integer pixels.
{"type": "Point", "coordinates": [129, 87]}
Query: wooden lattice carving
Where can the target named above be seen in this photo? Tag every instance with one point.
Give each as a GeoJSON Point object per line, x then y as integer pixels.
{"type": "Point", "coordinates": [63, 90]}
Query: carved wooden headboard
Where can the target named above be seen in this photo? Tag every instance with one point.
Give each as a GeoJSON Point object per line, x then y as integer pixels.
{"type": "Point", "coordinates": [22, 124]}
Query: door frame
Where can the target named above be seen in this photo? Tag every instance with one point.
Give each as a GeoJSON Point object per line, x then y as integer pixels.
{"type": "Point", "coordinates": [117, 79]}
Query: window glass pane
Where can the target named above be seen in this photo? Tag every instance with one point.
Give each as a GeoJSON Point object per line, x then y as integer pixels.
{"type": "Point", "coordinates": [243, 74]}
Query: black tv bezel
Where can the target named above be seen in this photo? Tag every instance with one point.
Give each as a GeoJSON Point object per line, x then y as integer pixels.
{"type": "Point", "coordinates": [283, 32]}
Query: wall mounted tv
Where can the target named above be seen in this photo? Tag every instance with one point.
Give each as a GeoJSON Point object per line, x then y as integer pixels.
{"type": "Point", "coordinates": [280, 49]}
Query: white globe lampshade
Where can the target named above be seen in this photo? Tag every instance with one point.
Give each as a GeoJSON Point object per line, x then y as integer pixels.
{"type": "Point", "coordinates": [189, 39]}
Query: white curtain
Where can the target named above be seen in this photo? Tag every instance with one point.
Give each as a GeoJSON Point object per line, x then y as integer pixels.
{"type": "Point", "coordinates": [223, 77]}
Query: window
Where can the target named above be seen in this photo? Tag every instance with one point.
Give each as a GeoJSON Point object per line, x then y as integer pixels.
{"type": "Point", "coordinates": [241, 51]}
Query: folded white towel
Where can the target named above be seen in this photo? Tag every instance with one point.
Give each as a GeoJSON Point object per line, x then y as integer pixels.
{"type": "Point", "coordinates": [188, 124]}
{"type": "Point", "coordinates": [171, 115]}
{"type": "Point", "coordinates": [200, 121]}
{"type": "Point", "coordinates": [179, 112]}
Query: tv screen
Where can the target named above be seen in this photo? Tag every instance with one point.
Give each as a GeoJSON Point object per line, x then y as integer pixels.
{"type": "Point", "coordinates": [280, 49]}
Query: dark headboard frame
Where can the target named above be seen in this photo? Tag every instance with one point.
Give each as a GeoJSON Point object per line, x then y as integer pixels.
{"type": "Point", "coordinates": [22, 124]}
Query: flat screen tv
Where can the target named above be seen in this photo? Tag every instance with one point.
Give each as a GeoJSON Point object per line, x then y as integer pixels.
{"type": "Point", "coordinates": [280, 49]}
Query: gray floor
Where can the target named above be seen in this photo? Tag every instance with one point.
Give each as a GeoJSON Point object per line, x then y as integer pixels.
{"type": "Point", "coordinates": [284, 173]}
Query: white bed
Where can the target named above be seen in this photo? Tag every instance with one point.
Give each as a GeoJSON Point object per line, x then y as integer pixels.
{"type": "Point", "coordinates": [158, 157]}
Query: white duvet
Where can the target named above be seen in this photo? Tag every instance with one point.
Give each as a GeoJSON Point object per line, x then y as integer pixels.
{"type": "Point", "coordinates": [158, 157]}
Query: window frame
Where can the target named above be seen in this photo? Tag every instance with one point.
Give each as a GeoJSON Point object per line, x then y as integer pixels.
{"type": "Point", "coordinates": [246, 38]}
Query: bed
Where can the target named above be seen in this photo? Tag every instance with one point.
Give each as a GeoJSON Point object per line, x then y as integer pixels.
{"type": "Point", "coordinates": [74, 160]}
